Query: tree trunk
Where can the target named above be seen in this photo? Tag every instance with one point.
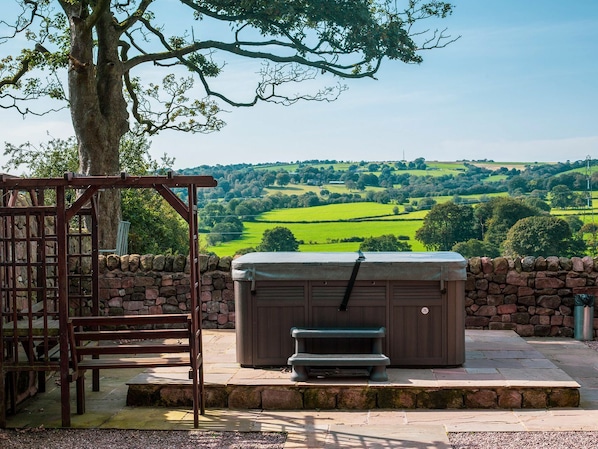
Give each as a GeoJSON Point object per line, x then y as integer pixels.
{"type": "Point", "coordinates": [98, 108]}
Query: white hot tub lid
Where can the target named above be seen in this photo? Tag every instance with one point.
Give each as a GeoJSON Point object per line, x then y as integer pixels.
{"type": "Point", "coordinates": [429, 266]}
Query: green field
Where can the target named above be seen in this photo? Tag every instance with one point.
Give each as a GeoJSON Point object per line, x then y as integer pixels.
{"type": "Point", "coordinates": [300, 189]}
{"type": "Point", "coordinates": [319, 236]}
{"type": "Point", "coordinates": [321, 227]}
{"type": "Point", "coordinates": [331, 212]}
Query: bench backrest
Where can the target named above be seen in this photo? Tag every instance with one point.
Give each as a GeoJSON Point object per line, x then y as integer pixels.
{"type": "Point", "coordinates": [122, 240]}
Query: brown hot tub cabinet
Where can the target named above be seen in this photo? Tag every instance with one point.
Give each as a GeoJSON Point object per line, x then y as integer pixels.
{"type": "Point", "coordinates": [417, 297]}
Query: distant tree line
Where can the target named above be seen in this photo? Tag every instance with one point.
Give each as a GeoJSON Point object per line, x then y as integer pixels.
{"type": "Point", "coordinates": [249, 181]}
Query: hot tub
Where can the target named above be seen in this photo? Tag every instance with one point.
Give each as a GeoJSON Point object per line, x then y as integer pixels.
{"type": "Point", "coordinates": [417, 297]}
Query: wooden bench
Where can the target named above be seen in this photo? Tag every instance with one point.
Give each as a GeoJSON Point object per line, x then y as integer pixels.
{"type": "Point", "coordinates": [302, 360]}
{"type": "Point", "coordinates": [113, 342]}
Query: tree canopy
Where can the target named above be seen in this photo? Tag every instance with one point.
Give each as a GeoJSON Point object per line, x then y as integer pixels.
{"type": "Point", "coordinates": [499, 215]}
{"type": "Point", "coordinates": [445, 225]}
{"type": "Point", "coordinates": [542, 236]}
{"type": "Point", "coordinates": [278, 239]}
{"type": "Point", "coordinates": [386, 242]}
{"type": "Point", "coordinates": [91, 56]}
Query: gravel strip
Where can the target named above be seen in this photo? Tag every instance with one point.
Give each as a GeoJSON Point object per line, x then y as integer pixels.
{"type": "Point", "coordinates": [40, 438]}
{"type": "Point", "coordinates": [523, 440]}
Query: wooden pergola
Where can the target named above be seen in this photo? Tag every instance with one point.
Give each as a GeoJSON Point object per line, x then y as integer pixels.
{"type": "Point", "coordinates": [49, 271]}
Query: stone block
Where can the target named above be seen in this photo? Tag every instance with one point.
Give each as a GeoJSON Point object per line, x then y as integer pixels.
{"type": "Point", "coordinates": [175, 396]}
{"type": "Point", "coordinates": [506, 309]}
{"type": "Point", "coordinates": [549, 282]}
{"type": "Point", "coordinates": [519, 279]}
{"type": "Point", "coordinates": [481, 284]}
{"type": "Point", "coordinates": [528, 263]}
{"type": "Point", "coordinates": [501, 265]}
{"type": "Point", "coordinates": [544, 311]}
{"type": "Point", "coordinates": [112, 262]}
{"type": "Point", "coordinates": [320, 398]}
{"type": "Point", "coordinates": [575, 281]}
{"type": "Point", "coordinates": [158, 262]}
{"type": "Point", "coordinates": [143, 281]}
{"type": "Point", "coordinates": [525, 291]}
{"type": "Point", "coordinates": [356, 398]}
{"type": "Point", "coordinates": [564, 397]}
{"type": "Point", "coordinates": [240, 397]}
{"type": "Point", "coordinates": [535, 398]}
{"type": "Point", "coordinates": [540, 264]}
{"type": "Point", "coordinates": [179, 262]}
{"type": "Point", "coordinates": [481, 399]}
{"type": "Point", "coordinates": [143, 395]}
{"type": "Point", "coordinates": [510, 399]}
{"type": "Point", "coordinates": [577, 264]}
{"type": "Point", "coordinates": [133, 305]}
{"type": "Point", "coordinates": [397, 398]}
{"type": "Point", "coordinates": [146, 262]}
{"type": "Point", "coordinates": [549, 301]}
{"type": "Point", "coordinates": [440, 399]}
{"type": "Point", "coordinates": [152, 293]}
{"type": "Point", "coordinates": [475, 265]}
{"type": "Point", "coordinates": [216, 396]}
{"type": "Point", "coordinates": [495, 300]}
{"type": "Point", "coordinates": [281, 399]}
{"type": "Point", "coordinates": [525, 330]}
{"type": "Point", "coordinates": [476, 322]}
{"type": "Point", "coordinates": [565, 263]}
{"type": "Point", "coordinates": [552, 263]}
{"type": "Point", "coordinates": [486, 311]}
{"type": "Point", "coordinates": [588, 264]}
{"type": "Point", "coordinates": [494, 289]}
{"type": "Point", "coordinates": [134, 261]}
{"type": "Point", "coordinates": [542, 330]}
{"type": "Point", "coordinates": [502, 326]}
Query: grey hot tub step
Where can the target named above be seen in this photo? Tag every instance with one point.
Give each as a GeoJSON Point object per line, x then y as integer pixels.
{"type": "Point", "coordinates": [301, 360]}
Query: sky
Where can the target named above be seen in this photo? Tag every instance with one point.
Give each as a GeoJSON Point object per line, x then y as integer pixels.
{"type": "Point", "coordinates": [520, 84]}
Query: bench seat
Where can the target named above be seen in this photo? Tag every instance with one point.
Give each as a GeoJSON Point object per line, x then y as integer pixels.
{"type": "Point", "coordinates": [115, 342]}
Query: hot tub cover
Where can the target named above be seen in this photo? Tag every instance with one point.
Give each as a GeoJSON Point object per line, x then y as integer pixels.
{"type": "Point", "coordinates": [428, 266]}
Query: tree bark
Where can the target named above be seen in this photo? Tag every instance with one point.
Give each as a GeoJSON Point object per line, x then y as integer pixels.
{"type": "Point", "coordinates": [98, 107]}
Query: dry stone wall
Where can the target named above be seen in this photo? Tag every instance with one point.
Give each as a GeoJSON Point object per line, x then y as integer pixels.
{"type": "Point", "coordinates": [534, 296]}
{"type": "Point", "coordinates": [155, 284]}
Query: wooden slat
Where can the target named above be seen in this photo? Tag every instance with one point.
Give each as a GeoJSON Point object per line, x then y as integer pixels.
{"type": "Point", "coordinates": [132, 334]}
{"type": "Point", "coordinates": [131, 349]}
{"type": "Point", "coordinates": [133, 362]}
{"type": "Point", "coordinates": [131, 320]}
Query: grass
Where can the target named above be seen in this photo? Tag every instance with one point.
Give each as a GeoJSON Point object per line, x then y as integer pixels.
{"type": "Point", "coordinates": [335, 212]}
{"type": "Point", "coordinates": [320, 236]}
{"type": "Point", "coordinates": [295, 189]}
{"type": "Point", "coordinates": [319, 226]}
